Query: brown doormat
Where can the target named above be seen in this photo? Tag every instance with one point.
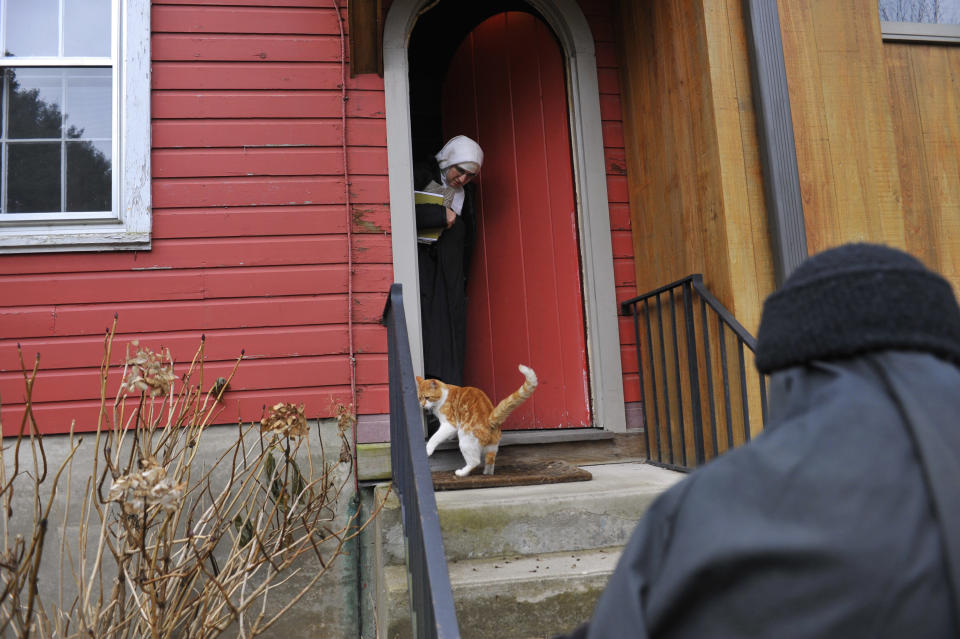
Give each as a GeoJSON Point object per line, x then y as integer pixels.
{"type": "Point", "coordinates": [513, 473]}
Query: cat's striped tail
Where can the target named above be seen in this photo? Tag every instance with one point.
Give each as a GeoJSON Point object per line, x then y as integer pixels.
{"type": "Point", "coordinates": [510, 403]}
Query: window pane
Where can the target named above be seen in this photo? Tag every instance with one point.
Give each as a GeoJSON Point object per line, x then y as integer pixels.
{"type": "Point", "coordinates": [88, 103]}
{"type": "Point", "coordinates": [31, 27]}
{"type": "Point", "coordinates": [88, 176]}
{"type": "Point", "coordinates": [925, 11]}
{"type": "Point", "coordinates": [33, 181]}
{"type": "Point", "coordinates": [86, 28]}
{"type": "Point", "coordinates": [36, 99]}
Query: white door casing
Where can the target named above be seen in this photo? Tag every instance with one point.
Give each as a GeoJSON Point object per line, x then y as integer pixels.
{"type": "Point", "coordinates": [590, 181]}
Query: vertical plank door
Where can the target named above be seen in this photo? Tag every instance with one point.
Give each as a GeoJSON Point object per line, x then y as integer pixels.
{"type": "Point", "coordinates": [506, 88]}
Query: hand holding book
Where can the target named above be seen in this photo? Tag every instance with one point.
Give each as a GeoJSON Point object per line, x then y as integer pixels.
{"type": "Point", "coordinates": [430, 235]}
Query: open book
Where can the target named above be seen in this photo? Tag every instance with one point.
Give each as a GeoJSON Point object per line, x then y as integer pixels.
{"type": "Point", "coordinates": [428, 236]}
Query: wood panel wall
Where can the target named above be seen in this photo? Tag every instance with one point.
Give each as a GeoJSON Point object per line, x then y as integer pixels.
{"type": "Point", "coordinates": [250, 227]}
{"type": "Point", "coordinates": [695, 187]}
{"type": "Point", "coordinates": [924, 89]}
{"type": "Point", "coordinates": [877, 140]}
{"type": "Point", "coordinates": [878, 133]}
{"type": "Point", "coordinates": [846, 152]}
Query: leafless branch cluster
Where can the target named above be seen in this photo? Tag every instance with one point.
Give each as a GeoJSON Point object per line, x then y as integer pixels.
{"type": "Point", "coordinates": [929, 11]}
{"type": "Point", "coordinates": [168, 546]}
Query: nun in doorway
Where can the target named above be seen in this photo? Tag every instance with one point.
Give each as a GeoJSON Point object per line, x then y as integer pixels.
{"type": "Point", "coordinates": [444, 259]}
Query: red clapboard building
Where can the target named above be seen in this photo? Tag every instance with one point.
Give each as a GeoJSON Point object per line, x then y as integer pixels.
{"type": "Point", "coordinates": [262, 215]}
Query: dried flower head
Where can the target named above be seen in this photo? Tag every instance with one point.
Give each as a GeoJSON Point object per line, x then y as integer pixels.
{"type": "Point", "coordinates": [148, 373]}
{"type": "Point", "coordinates": [285, 419]}
{"type": "Point", "coordinates": [149, 487]}
{"type": "Point", "coordinates": [346, 420]}
{"type": "Point", "coordinates": [345, 417]}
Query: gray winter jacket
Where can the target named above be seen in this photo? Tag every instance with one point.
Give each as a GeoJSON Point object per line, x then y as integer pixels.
{"type": "Point", "coordinates": [840, 521]}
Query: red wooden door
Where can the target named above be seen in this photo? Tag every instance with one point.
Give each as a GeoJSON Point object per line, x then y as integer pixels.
{"type": "Point", "coordinates": [506, 88]}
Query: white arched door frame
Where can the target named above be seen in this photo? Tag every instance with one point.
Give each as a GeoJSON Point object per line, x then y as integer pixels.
{"type": "Point", "coordinates": [590, 180]}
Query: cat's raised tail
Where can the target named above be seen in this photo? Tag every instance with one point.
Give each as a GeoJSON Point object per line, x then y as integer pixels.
{"type": "Point", "coordinates": [508, 404]}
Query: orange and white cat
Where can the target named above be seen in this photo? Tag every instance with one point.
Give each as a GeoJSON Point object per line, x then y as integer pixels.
{"type": "Point", "coordinates": [469, 413]}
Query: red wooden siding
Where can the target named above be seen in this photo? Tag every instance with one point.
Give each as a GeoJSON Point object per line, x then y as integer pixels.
{"type": "Point", "coordinates": [250, 227]}
{"type": "Point", "coordinates": [600, 14]}
{"type": "Point", "coordinates": [249, 235]}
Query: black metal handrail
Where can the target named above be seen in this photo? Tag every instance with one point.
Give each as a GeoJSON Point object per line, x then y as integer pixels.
{"type": "Point", "coordinates": [675, 413]}
{"type": "Point", "coordinates": [431, 597]}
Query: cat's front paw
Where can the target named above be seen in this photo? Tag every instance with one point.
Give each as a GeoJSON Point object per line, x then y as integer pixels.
{"type": "Point", "coordinates": [463, 472]}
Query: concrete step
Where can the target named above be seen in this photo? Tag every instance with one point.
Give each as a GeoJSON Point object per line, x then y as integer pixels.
{"type": "Point", "coordinates": [531, 559]}
{"type": "Point", "coordinates": [527, 520]}
{"type": "Point", "coordinates": [520, 596]}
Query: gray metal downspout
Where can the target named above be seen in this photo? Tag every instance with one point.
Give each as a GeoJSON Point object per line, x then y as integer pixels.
{"type": "Point", "coordinates": [778, 152]}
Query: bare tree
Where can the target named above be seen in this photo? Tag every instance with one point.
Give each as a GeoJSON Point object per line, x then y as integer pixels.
{"type": "Point", "coordinates": [926, 11]}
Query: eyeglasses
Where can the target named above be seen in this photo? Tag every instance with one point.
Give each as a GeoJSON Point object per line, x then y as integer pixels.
{"type": "Point", "coordinates": [461, 172]}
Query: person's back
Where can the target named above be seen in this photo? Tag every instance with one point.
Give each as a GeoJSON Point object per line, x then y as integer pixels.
{"type": "Point", "coordinates": [825, 525]}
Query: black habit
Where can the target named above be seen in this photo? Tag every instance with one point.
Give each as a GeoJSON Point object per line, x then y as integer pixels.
{"type": "Point", "coordinates": [444, 266]}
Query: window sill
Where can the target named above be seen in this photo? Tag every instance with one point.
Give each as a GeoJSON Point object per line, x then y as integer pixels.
{"type": "Point", "coordinates": [43, 239]}
{"type": "Point", "coordinates": [920, 32]}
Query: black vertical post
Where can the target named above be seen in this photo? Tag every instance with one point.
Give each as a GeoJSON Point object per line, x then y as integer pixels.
{"type": "Point", "coordinates": [676, 370]}
{"type": "Point", "coordinates": [743, 394]}
{"type": "Point", "coordinates": [431, 595]}
{"type": "Point", "coordinates": [694, 374]}
{"type": "Point", "coordinates": [636, 337]}
{"type": "Point", "coordinates": [666, 386]}
{"type": "Point", "coordinates": [709, 365]}
{"type": "Point", "coordinates": [653, 380]}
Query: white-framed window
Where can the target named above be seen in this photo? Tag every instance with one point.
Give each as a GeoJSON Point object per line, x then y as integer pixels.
{"type": "Point", "coordinates": [921, 20]}
{"type": "Point", "coordinates": [74, 125]}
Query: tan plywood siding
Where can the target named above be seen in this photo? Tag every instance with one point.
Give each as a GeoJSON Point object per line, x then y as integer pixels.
{"type": "Point", "coordinates": [696, 195]}
{"type": "Point", "coordinates": [877, 130]}
{"type": "Point", "coordinates": [924, 89]}
{"type": "Point", "coordinates": [695, 185]}
{"type": "Point", "coordinates": [842, 123]}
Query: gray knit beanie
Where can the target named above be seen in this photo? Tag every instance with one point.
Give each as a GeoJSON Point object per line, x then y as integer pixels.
{"type": "Point", "coordinates": [853, 299]}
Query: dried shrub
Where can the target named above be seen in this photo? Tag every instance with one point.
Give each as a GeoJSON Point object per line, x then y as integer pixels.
{"type": "Point", "coordinates": [180, 548]}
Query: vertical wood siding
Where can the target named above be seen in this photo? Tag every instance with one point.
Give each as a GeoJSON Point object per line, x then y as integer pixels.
{"type": "Point", "coordinates": [694, 183]}
{"type": "Point", "coordinates": [924, 89]}
{"type": "Point", "coordinates": [696, 191]}
{"type": "Point", "coordinates": [878, 133]}
{"type": "Point", "coordinates": [249, 242]}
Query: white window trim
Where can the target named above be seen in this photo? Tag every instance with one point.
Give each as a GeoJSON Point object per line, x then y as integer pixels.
{"type": "Point", "coordinates": [920, 32]}
{"type": "Point", "coordinates": [130, 225]}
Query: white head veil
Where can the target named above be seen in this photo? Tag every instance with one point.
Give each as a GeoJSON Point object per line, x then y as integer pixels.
{"type": "Point", "coordinates": [460, 150]}
{"type": "Point", "coordinates": [465, 152]}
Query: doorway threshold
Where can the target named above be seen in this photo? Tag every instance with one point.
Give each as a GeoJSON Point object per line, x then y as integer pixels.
{"type": "Point", "coordinates": [553, 436]}
{"type": "Point", "coordinates": [545, 436]}
{"type": "Point", "coordinates": [575, 446]}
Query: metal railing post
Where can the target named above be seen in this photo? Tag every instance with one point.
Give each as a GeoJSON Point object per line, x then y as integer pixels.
{"type": "Point", "coordinates": [431, 596]}
{"type": "Point", "coordinates": [694, 369]}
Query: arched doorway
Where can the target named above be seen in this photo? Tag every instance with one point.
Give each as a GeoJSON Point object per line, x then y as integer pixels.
{"type": "Point", "coordinates": [599, 301]}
